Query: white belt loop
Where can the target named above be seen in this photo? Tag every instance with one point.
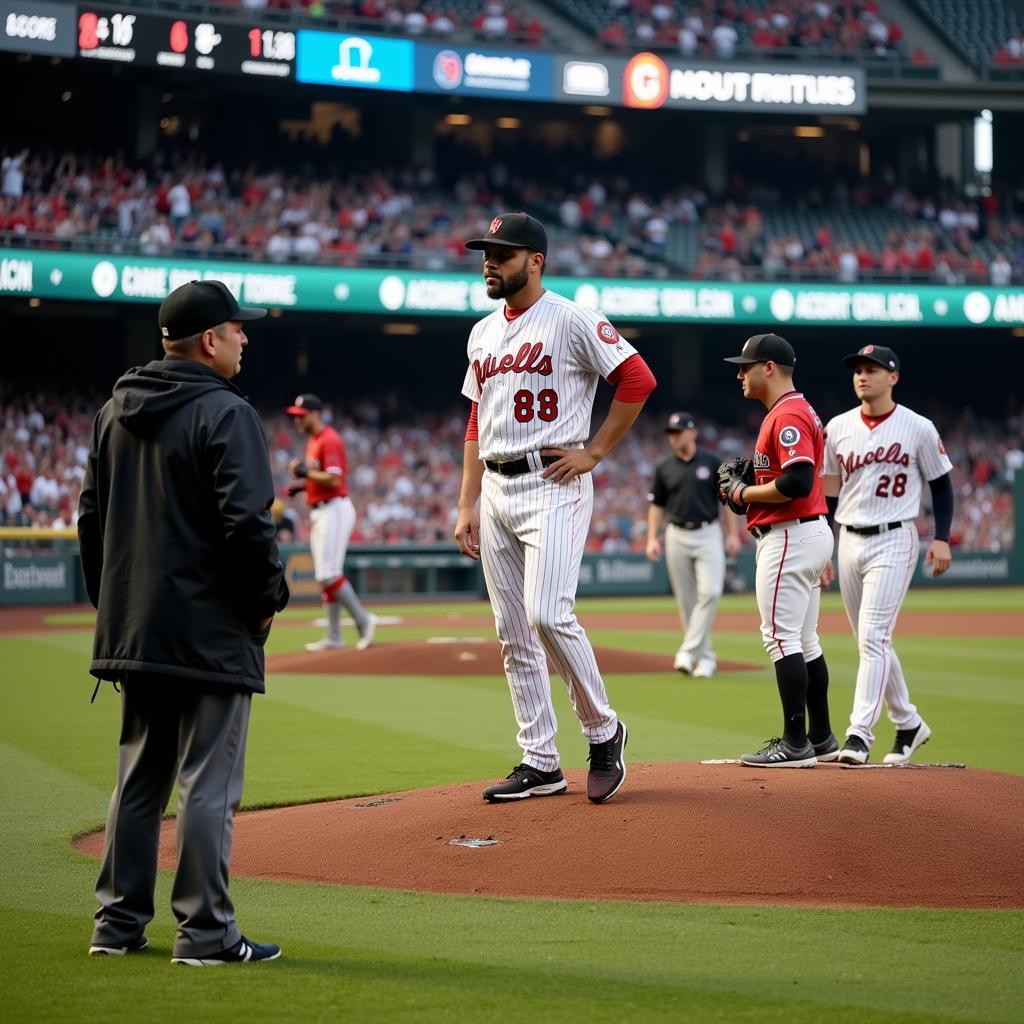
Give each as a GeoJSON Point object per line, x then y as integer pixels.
{"type": "Point", "coordinates": [533, 458]}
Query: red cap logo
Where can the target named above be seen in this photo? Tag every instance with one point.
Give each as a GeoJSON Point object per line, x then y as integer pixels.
{"type": "Point", "coordinates": [867, 350]}
{"type": "Point", "coordinates": [495, 224]}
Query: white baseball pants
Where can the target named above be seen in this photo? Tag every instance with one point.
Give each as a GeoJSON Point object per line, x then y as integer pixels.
{"type": "Point", "coordinates": [532, 534]}
{"type": "Point", "coordinates": [695, 560]}
{"type": "Point", "coordinates": [330, 527]}
{"type": "Point", "coordinates": [788, 583]}
{"type": "Point", "coordinates": [874, 574]}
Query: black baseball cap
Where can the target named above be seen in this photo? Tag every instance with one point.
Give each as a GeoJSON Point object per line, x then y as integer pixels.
{"type": "Point", "coordinates": [874, 354]}
{"type": "Point", "coordinates": [200, 305]}
{"type": "Point", "coordinates": [679, 421]}
{"type": "Point", "coordinates": [303, 404]}
{"type": "Point", "coordinates": [518, 230]}
{"type": "Point", "coordinates": [762, 347]}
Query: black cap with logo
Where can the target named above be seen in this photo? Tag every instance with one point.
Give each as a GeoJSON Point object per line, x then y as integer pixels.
{"type": "Point", "coordinates": [200, 305]}
{"type": "Point", "coordinates": [874, 354]}
{"type": "Point", "coordinates": [518, 230]}
{"type": "Point", "coordinates": [764, 347]}
{"type": "Point", "coordinates": [303, 404]}
{"type": "Point", "coordinates": [679, 421]}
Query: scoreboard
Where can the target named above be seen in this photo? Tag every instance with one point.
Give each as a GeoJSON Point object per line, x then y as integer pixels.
{"type": "Point", "coordinates": [128, 36]}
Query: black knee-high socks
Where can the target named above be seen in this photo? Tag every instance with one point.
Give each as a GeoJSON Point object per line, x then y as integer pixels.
{"type": "Point", "coordinates": [819, 727]}
{"type": "Point", "coordinates": [803, 686]}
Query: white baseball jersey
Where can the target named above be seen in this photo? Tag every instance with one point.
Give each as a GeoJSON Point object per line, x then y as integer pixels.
{"type": "Point", "coordinates": [534, 379]}
{"type": "Point", "coordinates": [882, 469]}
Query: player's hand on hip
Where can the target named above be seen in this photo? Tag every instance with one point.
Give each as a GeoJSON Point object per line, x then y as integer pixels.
{"type": "Point", "coordinates": [938, 556]}
{"type": "Point", "coordinates": [828, 574]}
{"type": "Point", "coordinates": [654, 549]}
{"type": "Point", "coordinates": [572, 462]}
{"type": "Point", "coordinates": [467, 532]}
{"type": "Point", "coordinates": [733, 544]}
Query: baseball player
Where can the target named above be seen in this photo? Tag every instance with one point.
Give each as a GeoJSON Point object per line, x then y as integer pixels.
{"type": "Point", "coordinates": [323, 476]}
{"type": "Point", "coordinates": [877, 457]}
{"type": "Point", "coordinates": [534, 366]}
{"type": "Point", "coordinates": [685, 493]}
{"type": "Point", "coordinates": [782, 497]}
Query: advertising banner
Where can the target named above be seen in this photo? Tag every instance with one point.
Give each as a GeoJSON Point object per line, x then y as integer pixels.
{"type": "Point", "coordinates": [363, 62]}
{"type": "Point", "coordinates": [49, 274]}
{"type": "Point", "coordinates": [466, 72]}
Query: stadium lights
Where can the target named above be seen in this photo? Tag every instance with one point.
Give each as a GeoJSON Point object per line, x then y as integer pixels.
{"type": "Point", "coordinates": [35, 303]}
{"type": "Point", "coordinates": [275, 312]}
{"type": "Point", "coordinates": [808, 131]}
{"type": "Point", "coordinates": [407, 329]}
{"type": "Point", "coordinates": [458, 119]}
{"type": "Point", "coordinates": [598, 111]}
{"type": "Point", "coordinates": [508, 122]}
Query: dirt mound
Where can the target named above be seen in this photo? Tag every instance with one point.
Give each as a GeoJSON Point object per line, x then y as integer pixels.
{"type": "Point", "coordinates": [683, 832]}
{"type": "Point", "coordinates": [455, 656]}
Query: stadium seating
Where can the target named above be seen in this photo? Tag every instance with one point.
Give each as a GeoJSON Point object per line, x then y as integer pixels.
{"type": "Point", "coordinates": [977, 29]}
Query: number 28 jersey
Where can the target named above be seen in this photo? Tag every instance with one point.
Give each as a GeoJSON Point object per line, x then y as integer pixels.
{"type": "Point", "coordinates": [882, 465]}
{"type": "Point", "coordinates": [535, 378]}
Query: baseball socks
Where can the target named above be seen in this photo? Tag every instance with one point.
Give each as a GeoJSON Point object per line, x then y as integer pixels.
{"type": "Point", "coordinates": [360, 616]}
{"type": "Point", "coordinates": [791, 676]}
{"type": "Point", "coordinates": [819, 724]}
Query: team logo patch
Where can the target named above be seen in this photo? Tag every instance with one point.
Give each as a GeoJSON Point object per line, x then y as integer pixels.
{"type": "Point", "coordinates": [789, 436]}
{"type": "Point", "coordinates": [703, 472]}
{"type": "Point", "coordinates": [942, 447]}
{"type": "Point", "coordinates": [867, 350]}
{"type": "Point", "coordinates": [495, 224]}
{"type": "Point", "coordinates": [607, 333]}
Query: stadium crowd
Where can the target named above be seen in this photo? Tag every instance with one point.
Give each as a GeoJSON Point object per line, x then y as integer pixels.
{"type": "Point", "coordinates": [404, 473]}
{"type": "Point", "coordinates": [601, 223]}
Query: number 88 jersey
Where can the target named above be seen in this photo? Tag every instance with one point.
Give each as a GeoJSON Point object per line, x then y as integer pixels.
{"type": "Point", "coordinates": [534, 375]}
{"type": "Point", "coordinates": [882, 464]}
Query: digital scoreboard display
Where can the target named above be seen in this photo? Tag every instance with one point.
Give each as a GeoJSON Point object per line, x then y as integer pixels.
{"type": "Point", "coordinates": [195, 43]}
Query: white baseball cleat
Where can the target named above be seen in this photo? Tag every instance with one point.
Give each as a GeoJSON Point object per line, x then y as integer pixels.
{"type": "Point", "coordinates": [907, 741]}
{"type": "Point", "coordinates": [326, 644]}
{"type": "Point", "coordinates": [705, 668]}
{"type": "Point", "coordinates": [366, 637]}
{"type": "Point", "coordinates": [683, 663]}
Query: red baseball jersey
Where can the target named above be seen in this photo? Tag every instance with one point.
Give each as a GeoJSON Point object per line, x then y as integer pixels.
{"type": "Point", "coordinates": [791, 432]}
{"type": "Point", "coordinates": [326, 451]}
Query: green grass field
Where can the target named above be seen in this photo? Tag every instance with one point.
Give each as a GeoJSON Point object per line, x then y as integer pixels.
{"type": "Point", "coordinates": [359, 954]}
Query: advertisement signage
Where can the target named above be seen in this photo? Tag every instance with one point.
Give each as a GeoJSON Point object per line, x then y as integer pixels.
{"type": "Point", "coordinates": [49, 274]}
{"type": "Point", "coordinates": [361, 62]}
{"type": "Point", "coordinates": [31, 27]}
{"type": "Point", "coordinates": [467, 72]}
{"type": "Point", "coordinates": [646, 81]}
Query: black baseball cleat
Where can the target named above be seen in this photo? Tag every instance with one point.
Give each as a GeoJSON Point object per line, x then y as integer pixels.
{"type": "Point", "coordinates": [136, 945]}
{"type": "Point", "coordinates": [907, 741]}
{"type": "Point", "coordinates": [607, 766]}
{"type": "Point", "coordinates": [524, 781]}
{"type": "Point", "coordinates": [855, 751]}
{"type": "Point", "coordinates": [827, 749]}
{"type": "Point", "coordinates": [242, 952]}
{"type": "Point", "coordinates": [780, 753]}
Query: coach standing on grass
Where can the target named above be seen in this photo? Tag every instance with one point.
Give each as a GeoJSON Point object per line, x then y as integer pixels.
{"type": "Point", "coordinates": [180, 560]}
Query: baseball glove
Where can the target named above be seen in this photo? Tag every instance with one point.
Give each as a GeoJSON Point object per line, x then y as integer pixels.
{"type": "Point", "coordinates": [733, 476]}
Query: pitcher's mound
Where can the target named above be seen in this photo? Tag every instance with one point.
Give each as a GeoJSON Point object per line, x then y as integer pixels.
{"type": "Point", "coordinates": [683, 832]}
{"type": "Point", "coordinates": [456, 657]}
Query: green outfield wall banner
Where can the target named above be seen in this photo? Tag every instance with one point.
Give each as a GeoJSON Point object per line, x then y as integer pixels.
{"type": "Point", "coordinates": [98, 277]}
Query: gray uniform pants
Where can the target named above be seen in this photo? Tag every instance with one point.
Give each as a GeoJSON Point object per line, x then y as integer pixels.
{"type": "Point", "coordinates": [695, 560]}
{"type": "Point", "coordinates": [172, 729]}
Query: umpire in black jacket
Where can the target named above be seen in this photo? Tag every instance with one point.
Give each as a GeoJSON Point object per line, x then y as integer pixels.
{"type": "Point", "coordinates": [179, 554]}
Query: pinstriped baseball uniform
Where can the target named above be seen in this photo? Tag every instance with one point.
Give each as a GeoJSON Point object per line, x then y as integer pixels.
{"type": "Point", "coordinates": [882, 465]}
{"type": "Point", "coordinates": [534, 380]}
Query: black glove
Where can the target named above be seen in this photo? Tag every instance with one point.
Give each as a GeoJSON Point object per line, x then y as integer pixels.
{"type": "Point", "coordinates": [295, 488]}
{"type": "Point", "coordinates": [733, 476]}
{"type": "Point", "coordinates": [300, 470]}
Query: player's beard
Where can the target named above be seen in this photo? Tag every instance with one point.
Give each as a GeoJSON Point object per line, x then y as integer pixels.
{"type": "Point", "coordinates": [509, 285]}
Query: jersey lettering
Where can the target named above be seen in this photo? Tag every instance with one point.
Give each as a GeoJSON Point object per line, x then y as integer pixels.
{"type": "Point", "coordinates": [852, 462]}
{"type": "Point", "coordinates": [527, 360]}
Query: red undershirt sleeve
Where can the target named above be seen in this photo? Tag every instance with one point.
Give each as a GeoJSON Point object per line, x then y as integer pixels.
{"type": "Point", "coordinates": [472, 430]}
{"type": "Point", "coordinates": [633, 380]}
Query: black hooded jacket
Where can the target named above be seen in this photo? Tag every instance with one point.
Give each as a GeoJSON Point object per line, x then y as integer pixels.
{"type": "Point", "coordinates": [175, 531]}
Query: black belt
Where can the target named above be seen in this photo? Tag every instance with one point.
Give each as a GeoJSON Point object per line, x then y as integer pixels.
{"type": "Point", "coordinates": [870, 531]}
{"type": "Point", "coordinates": [692, 524]}
{"type": "Point", "coordinates": [516, 467]}
{"type": "Point", "coordinates": [321, 503]}
{"type": "Point", "coordinates": [760, 531]}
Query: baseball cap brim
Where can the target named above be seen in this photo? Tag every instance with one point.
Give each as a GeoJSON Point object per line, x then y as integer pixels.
{"type": "Point", "coordinates": [742, 359]}
{"type": "Point", "coordinates": [299, 410]}
{"type": "Point", "coordinates": [482, 243]}
{"type": "Point", "coordinates": [248, 313]}
{"type": "Point", "coordinates": [857, 357]}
